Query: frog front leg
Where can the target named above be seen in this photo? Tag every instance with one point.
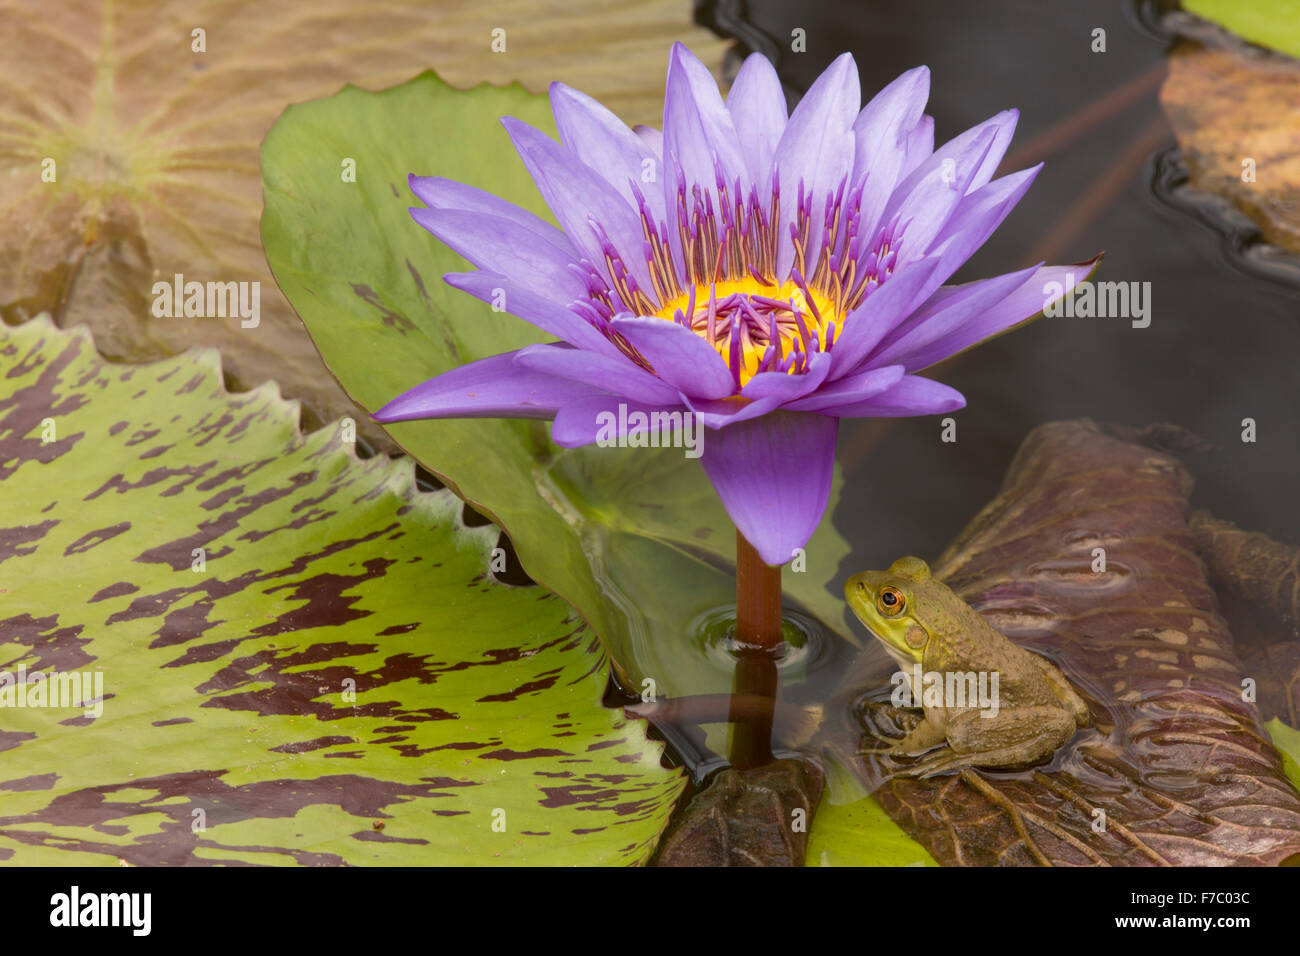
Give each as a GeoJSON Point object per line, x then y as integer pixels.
{"type": "Point", "coordinates": [1014, 738]}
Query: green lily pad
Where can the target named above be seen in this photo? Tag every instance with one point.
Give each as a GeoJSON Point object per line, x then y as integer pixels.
{"type": "Point", "coordinates": [303, 657]}
{"type": "Point", "coordinates": [635, 539]}
{"type": "Point", "coordinates": [861, 834]}
{"type": "Point", "coordinates": [1287, 741]}
{"type": "Point", "coordinates": [1271, 23]}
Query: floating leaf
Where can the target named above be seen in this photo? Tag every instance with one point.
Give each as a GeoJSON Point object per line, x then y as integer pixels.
{"type": "Point", "coordinates": [1250, 564]}
{"type": "Point", "coordinates": [151, 115]}
{"type": "Point", "coordinates": [1270, 23]}
{"type": "Point", "coordinates": [304, 659]}
{"type": "Point", "coordinates": [861, 834]}
{"type": "Point", "coordinates": [1235, 117]}
{"type": "Point", "coordinates": [1287, 741]}
{"type": "Point", "coordinates": [1276, 668]}
{"type": "Point", "coordinates": [755, 817]}
{"type": "Point", "coordinates": [635, 538]}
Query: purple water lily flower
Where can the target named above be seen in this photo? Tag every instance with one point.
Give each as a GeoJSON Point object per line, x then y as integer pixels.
{"type": "Point", "coordinates": [768, 274]}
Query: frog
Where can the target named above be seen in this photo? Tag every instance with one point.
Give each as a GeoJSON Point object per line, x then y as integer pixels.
{"type": "Point", "coordinates": [921, 621]}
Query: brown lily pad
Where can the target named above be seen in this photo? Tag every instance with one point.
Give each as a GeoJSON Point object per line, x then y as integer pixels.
{"type": "Point", "coordinates": [1177, 769]}
{"type": "Point", "coordinates": [1258, 579]}
{"type": "Point", "coordinates": [1250, 564]}
{"type": "Point", "coordinates": [757, 817]}
{"type": "Point", "coordinates": [129, 140]}
{"type": "Point", "coordinates": [1235, 110]}
{"type": "Point", "coordinates": [1278, 668]}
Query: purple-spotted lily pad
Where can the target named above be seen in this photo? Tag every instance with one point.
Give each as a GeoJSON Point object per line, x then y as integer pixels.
{"type": "Point", "coordinates": [292, 655]}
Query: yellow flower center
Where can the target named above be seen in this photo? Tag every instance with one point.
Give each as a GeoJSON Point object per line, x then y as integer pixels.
{"type": "Point", "coordinates": [758, 327]}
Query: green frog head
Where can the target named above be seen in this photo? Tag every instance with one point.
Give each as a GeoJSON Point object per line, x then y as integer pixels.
{"type": "Point", "coordinates": [890, 604]}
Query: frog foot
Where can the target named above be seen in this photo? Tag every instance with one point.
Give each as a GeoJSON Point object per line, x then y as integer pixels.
{"type": "Point", "coordinates": [947, 759]}
{"type": "Point", "coordinates": [937, 763]}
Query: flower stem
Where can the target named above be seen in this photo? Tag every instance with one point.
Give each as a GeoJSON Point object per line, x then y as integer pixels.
{"type": "Point", "coordinates": [758, 597]}
{"type": "Point", "coordinates": [758, 629]}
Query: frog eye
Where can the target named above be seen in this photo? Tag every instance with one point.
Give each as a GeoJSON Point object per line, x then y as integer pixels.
{"type": "Point", "coordinates": [891, 601]}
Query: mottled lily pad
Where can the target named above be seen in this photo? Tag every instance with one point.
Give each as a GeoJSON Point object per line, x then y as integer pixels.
{"type": "Point", "coordinates": [304, 658]}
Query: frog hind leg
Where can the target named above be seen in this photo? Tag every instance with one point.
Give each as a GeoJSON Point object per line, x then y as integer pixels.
{"type": "Point", "coordinates": [1031, 735]}
{"type": "Point", "coordinates": [1060, 685]}
{"type": "Point", "coordinates": [926, 735]}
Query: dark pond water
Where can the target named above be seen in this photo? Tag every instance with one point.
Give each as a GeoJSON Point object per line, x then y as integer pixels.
{"type": "Point", "coordinates": [1224, 338]}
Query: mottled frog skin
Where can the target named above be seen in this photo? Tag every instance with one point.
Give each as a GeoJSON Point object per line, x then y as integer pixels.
{"type": "Point", "coordinates": [922, 621]}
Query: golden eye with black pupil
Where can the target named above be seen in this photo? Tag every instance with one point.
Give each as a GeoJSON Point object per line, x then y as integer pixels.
{"type": "Point", "coordinates": [890, 602]}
